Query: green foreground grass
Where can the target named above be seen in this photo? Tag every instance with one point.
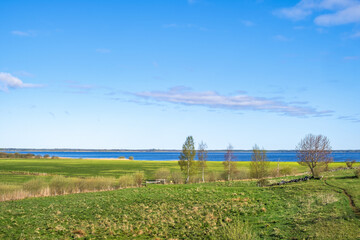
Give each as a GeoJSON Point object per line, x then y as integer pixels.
{"type": "Point", "coordinates": [220, 210]}
{"type": "Point", "coordinates": [233, 210]}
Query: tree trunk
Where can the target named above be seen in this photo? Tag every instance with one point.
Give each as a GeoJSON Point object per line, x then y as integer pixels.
{"type": "Point", "coordinates": [229, 172]}
{"type": "Point", "coordinates": [203, 173]}
{"type": "Point", "coordinates": [188, 172]}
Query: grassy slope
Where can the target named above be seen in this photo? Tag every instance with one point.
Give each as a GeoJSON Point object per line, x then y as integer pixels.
{"type": "Point", "coordinates": [299, 210]}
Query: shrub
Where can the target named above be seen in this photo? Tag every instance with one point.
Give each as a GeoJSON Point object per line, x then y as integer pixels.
{"type": "Point", "coordinates": [122, 157]}
{"type": "Point", "coordinates": [212, 176]}
{"type": "Point", "coordinates": [241, 174]}
{"type": "Point", "coordinates": [357, 173]}
{"type": "Point", "coordinates": [61, 185]}
{"type": "Point", "coordinates": [139, 178]}
{"type": "Point", "coordinates": [317, 172]}
{"type": "Point", "coordinates": [176, 177]}
{"type": "Point", "coordinates": [96, 183]}
{"type": "Point", "coordinates": [131, 158]}
{"type": "Point", "coordinates": [286, 171]}
{"type": "Point", "coordinates": [34, 186]}
{"type": "Point", "coordinates": [162, 173]}
{"type": "Point", "coordinates": [349, 163]}
{"type": "Point", "coordinates": [126, 181]}
{"type": "Point", "coordinates": [262, 182]}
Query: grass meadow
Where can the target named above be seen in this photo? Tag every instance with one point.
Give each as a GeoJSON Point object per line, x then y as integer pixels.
{"type": "Point", "coordinates": [316, 209]}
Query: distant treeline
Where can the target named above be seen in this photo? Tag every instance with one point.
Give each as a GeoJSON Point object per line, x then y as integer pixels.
{"type": "Point", "coordinates": [24, 155]}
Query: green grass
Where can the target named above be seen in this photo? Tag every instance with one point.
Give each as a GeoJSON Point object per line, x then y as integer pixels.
{"type": "Point", "coordinates": [306, 210]}
{"type": "Point", "coordinates": [221, 210]}
{"type": "Point", "coordinates": [114, 168]}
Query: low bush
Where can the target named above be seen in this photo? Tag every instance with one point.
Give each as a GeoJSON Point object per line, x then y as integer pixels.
{"type": "Point", "coordinates": [139, 178]}
{"type": "Point", "coordinates": [131, 158]}
{"type": "Point", "coordinates": [212, 176]}
{"type": "Point", "coordinates": [163, 173]}
{"type": "Point", "coordinates": [350, 163]}
{"type": "Point", "coordinates": [34, 186]}
{"type": "Point", "coordinates": [262, 182]}
{"type": "Point", "coordinates": [96, 183]}
{"type": "Point", "coordinates": [357, 173]}
{"type": "Point", "coordinates": [126, 181]}
{"type": "Point", "coordinates": [286, 171]}
{"type": "Point", "coordinates": [241, 174]}
{"type": "Point", "coordinates": [61, 185]}
{"type": "Point", "coordinates": [317, 172]}
{"type": "Point", "coordinates": [176, 177]}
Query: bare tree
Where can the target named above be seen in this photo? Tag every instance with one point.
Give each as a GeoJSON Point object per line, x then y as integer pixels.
{"type": "Point", "coordinates": [186, 158]}
{"type": "Point", "coordinates": [313, 151]}
{"type": "Point", "coordinates": [202, 158]}
{"type": "Point", "coordinates": [259, 164]}
{"type": "Point", "coordinates": [229, 164]}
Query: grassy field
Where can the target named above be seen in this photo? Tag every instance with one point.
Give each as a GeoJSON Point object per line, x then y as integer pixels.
{"type": "Point", "coordinates": [317, 209]}
{"type": "Point", "coordinates": [115, 168]}
{"type": "Point", "coordinates": [235, 210]}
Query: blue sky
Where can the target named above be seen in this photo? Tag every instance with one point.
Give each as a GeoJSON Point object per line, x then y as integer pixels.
{"type": "Point", "coordinates": [146, 74]}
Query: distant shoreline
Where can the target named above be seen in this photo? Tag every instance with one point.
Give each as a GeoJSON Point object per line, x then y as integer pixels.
{"type": "Point", "coordinates": [135, 150]}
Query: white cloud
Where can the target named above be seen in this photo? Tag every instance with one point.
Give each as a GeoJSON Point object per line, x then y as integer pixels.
{"type": "Point", "coordinates": [339, 11]}
{"type": "Point", "coordinates": [237, 102]}
{"type": "Point", "coordinates": [23, 33]}
{"type": "Point", "coordinates": [9, 81]}
{"type": "Point", "coordinates": [348, 15]}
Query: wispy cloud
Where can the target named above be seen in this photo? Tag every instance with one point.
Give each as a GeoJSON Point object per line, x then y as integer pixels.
{"type": "Point", "coordinates": [356, 35]}
{"type": "Point", "coordinates": [247, 23]}
{"type": "Point", "coordinates": [23, 33]}
{"type": "Point", "coordinates": [211, 99]}
{"type": "Point", "coordinates": [281, 38]}
{"type": "Point", "coordinates": [337, 12]}
{"type": "Point", "coordinates": [349, 58]}
{"type": "Point", "coordinates": [355, 119]}
{"type": "Point", "coordinates": [103, 50]}
{"type": "Point", "coordinates": [8, 81]}
{"type": "Point", "coordinates": [24, 74]}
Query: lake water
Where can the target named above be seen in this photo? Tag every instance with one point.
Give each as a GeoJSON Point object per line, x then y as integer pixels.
{"type": "Point", "coordinates": [212, 156]}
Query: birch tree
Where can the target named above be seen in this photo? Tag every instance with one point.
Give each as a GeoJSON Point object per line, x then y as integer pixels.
{"type": "Point", "coordinates": [202, 158]}
{"type": "Point", "coordinates": [259, 164]}
{"type": "Point", "coordinates": [229, 162]}
{"type": "Point", "coordinates": [186, 159]}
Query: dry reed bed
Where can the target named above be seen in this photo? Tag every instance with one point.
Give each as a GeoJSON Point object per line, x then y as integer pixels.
{"type": "Point", "coordinates": [60, 185]}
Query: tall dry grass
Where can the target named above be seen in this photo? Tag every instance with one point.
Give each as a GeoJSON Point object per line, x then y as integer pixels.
{"type": "Point", "coordinates": [60, 185]}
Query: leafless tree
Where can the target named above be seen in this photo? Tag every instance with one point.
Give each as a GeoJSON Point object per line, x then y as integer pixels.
{"type": "Point", "coordinates": [202, 158]}
{"type": "Point", "coordinates": [229, 164]}
{"type": "Point", "coordinates": [313, 151]}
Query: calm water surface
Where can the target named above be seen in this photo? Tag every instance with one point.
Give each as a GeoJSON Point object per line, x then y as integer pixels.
{"type": "Point", "coordinates": [212, 156]}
